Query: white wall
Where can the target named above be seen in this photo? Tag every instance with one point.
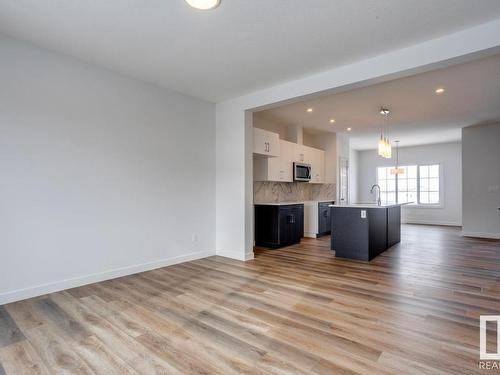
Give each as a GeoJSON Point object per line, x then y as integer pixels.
{"type": "Point", "coordinates": [481, 180]}
{"type": "Point", "coordinates": [269, 125]}
{"type": "Point", "coordinates": [101, 175]}
{"type": "Point", "coordinates": [234, 187]}
{"type": "Point", "coordinates": [447, 154]}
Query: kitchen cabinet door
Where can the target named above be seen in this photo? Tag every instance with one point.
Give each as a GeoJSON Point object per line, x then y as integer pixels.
{"type": "Point", "coordinates": [286, 161]}
{"type": "Point", "coordinates": [317, 158]}
{"type": "Point", "coordinates": [285, 226]}
{"type": "Point", "coordinates": [265, 143]}
{"type": "Point", "coordinates": [324, 218]}
{"type": "Point", "coordinates": [279, 168]}
{"type": "Point", "coordinates": [302, 154]}
{"type": "Point", "coordinates": [291, 224]}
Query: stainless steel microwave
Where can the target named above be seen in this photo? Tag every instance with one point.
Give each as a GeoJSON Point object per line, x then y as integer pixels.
{"type": "Point", "coordinates": [301, 172]}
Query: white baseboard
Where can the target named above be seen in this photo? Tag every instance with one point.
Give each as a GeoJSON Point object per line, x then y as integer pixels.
{"type": "Point", "coordinates": [235, 255]}
{"type": "Point", "coordinates": [57, 286]}
{"type": "Point", "coordinates": [493, 236]}
{"type": "Point", "coordinates": [432, 222]}
{"type": "Point", "coordinates": [310, 235]}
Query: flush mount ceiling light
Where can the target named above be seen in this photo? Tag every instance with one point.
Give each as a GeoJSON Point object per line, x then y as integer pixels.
{"type": "Point", "coordinates": [203, 4]}
{"type": "Point", "coordinates": [439, 90]}
{"type": "Point", "coordinates": [309, 110]}
{"type": "Point", "coordinates": [349, 129]}
{"type": "Point", "coordinates": [332, 121]}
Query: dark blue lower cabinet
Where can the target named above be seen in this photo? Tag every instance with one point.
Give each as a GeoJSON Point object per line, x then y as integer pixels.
{"type": "Point", "coordinates": [324, 218]}
{"type": "Point", "coordinates": [277, 226]}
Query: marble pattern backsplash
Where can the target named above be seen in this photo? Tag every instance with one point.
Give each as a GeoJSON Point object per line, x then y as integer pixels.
{"type": "Point", "coordinates": [292, 191]}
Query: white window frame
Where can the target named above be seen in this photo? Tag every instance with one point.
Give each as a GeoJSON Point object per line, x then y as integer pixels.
{"type": "Point", "coordinates": [441, 190]}
{"type": "Point", "coordinates": [418, 204]}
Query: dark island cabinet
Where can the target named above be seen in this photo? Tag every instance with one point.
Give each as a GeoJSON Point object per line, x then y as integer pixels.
{"type": "Point", "coordinates": [277, 226]}
{"type": "Point", "coordinates": [363, 233]}
{"type": "Point", "coordinates": [324, 218]}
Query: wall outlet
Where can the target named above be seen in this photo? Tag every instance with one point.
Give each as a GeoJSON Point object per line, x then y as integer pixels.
{"type": "Point", "coordinates": [363, 214]}
{"type": "Point", "coordinates": [194, 237]}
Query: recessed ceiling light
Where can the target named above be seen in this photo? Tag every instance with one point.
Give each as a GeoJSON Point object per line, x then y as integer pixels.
{"type": "Point", "coordinates": [349, 129]}
{"type": "Point", "coordinates": [332, 121]}
{"type": "Point", "coordinates": [204, 4]}
{"type": "Point", "coordinates": [439, 90]}
{"type": "Point", "coordinates": [309, 109]}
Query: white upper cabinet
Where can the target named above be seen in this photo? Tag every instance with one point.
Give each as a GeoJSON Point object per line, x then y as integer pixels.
{"type": "Point", "coordinates": [278, 168]}
{"type": "Point", "coordinates": [281, 168]}
{"type": "Point", "coordinates": [317, 158]}
{"type": "Point", "coordinates": [302, 154]}
{"type": "Point", "coordinates": [277, 165]}
{"type": "Point", "coordinates": [314, 157]}
{"type": "Point", "coordinates": [265, 143]}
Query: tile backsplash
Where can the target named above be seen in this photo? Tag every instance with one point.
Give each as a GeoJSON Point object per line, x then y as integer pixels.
{"type": "Point", "coordinates": [292, 191]}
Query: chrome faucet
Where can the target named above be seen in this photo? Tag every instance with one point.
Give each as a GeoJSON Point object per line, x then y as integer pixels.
{"type": "Point", "coordinates": [379, 201]}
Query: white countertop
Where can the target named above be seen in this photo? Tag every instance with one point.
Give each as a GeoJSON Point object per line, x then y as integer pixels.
{"type": "Point", "coordinates": [368, 205]}
{"type": "Point", "coordinates": [291, 202]}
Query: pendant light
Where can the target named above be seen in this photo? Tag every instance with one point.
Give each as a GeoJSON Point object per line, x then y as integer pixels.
{"type": "Point", "coordinates": [397, 170]}
{"type": "Point", "coordinates": [384, 144]}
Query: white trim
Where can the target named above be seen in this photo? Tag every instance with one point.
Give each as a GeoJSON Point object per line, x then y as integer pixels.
{"type": "Point", "coordinates": [57, 286]}
{"type": "Point", "coordinates": [236, 256]}
{"type": "Point", "coordinates": [231, 255]}
{"type": "Point", "coordinates": [249, 256]}
{"type": "Point", "coordinates": [493, 236]}
{"type": "Point", "coordinates": [433, 222]}
{"type": "Point", "coordinates": [424, 206]}
{"type": "Point", "coordinates": [310, 235]}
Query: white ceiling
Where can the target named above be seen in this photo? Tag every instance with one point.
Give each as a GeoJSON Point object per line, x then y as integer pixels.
{"type": "Point", "coordinates": [239, 47]}
{"type": "Point", "coordinates": [419, 115]}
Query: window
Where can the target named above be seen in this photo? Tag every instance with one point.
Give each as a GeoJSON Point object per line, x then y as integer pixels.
{"type": "Point", "coordinates": [418, 184]}
{"type": "Point", "coordinates": [387, 183]}
{"type": "Point", "coordinates": [428, 184]}
{"type": "Point", "coordinates": [408, 184]}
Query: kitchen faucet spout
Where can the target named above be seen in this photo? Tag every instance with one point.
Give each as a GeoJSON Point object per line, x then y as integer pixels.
{"type": "Point", "coordinates": [379, 201]}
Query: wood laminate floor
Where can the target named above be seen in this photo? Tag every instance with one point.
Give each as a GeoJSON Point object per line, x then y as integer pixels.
{"type": "Point", "coordinates": [297, 310]}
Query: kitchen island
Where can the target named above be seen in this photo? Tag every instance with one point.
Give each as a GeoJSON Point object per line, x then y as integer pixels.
{"type": "Point", "coordinates": [363, 231]}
